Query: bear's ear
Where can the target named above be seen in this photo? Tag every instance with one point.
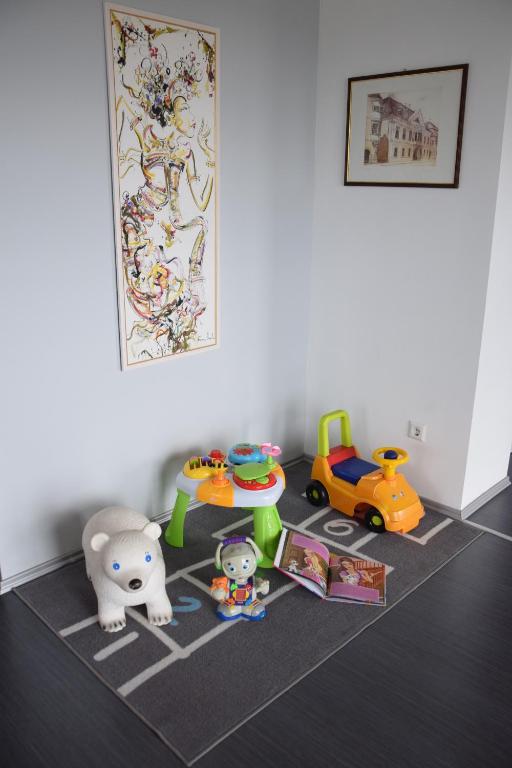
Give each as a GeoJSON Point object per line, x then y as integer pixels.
{"type": "Point", "coordinates": [98, 541]}
{"type": "Point", "coordinates": [152, 530]}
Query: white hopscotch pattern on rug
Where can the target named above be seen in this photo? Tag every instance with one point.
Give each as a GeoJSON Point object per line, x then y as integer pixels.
{"type": "Point", "coordinates": [339, 528]}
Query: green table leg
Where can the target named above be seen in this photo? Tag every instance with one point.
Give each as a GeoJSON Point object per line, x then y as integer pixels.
{"type": "Point", "coordinates": [267, 529]}
{"type": "Point", "coordinates": [174, 531]}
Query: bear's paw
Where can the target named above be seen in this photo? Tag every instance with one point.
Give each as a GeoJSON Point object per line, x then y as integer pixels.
{"type": "Point", "coordinates": [159, 618]}
{"type": "Point", "coordinates": [114, 625]}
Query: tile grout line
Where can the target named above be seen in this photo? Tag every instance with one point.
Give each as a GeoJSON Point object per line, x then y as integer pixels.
{"type": "Point", "coordinates": [485, 529]}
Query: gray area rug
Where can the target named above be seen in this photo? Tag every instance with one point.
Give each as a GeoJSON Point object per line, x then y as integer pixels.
{"type": "Point", "coordinates": [198, 679]}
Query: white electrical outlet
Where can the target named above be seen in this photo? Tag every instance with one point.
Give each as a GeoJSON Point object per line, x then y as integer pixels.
{"type": "Point", "coordinates": [418, 431]}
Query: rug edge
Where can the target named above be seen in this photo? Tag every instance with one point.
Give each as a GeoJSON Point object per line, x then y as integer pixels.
{"type": "Point", "coordinates": [100, 679]}
{"type": "Point", "coordinates": [192, 760]}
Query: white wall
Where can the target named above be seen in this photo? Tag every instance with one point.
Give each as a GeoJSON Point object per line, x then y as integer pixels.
{"type": "Point", "coordinates": [79, 433]}
{"type": "Point", "coordinates": [491, 428]}
{"type": "Point", "coordinates": [399, 276]}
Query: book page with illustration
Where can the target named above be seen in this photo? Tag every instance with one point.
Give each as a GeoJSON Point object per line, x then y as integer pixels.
{"type": "Point", "coordinates": [304, 560]}
{"type": "Point", "coordinates": [354, 579]}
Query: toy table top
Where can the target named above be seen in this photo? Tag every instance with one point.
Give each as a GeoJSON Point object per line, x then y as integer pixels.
{"type": "Point", "coordinates": [231, 494]}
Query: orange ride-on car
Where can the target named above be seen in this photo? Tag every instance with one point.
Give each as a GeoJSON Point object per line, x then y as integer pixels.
{"type": "Point", "coordinates": [375, 492]}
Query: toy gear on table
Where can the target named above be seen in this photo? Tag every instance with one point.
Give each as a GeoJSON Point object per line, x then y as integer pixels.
{"type": "Point", "coordinates": [248, 478]}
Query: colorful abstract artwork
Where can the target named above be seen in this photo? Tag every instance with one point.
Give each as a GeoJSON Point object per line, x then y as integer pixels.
{"type": "Point", "coordinates": [163, 94]}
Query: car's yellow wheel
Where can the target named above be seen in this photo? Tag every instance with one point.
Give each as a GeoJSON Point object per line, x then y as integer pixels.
{"type": "Point", "coordinates": [317, 495]}
{"type": "Point", "coordinates": [374, 521]}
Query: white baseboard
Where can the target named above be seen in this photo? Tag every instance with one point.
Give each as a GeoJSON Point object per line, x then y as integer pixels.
{"type": "Point", "coordinates": [38, 570]}
{"type": "Point", "coordinates": [469, 509]}
{"type": "Point", "coordinates": [58, 562]}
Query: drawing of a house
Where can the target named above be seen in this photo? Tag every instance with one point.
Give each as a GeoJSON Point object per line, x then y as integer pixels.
{"type": "Point", "coordinates": [396, 133]}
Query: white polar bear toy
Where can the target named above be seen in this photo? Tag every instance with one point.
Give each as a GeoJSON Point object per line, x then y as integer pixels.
{"type": "Point", "coordinates": [124, 561]}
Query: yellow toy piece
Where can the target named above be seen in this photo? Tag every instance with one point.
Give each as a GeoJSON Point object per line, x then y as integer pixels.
{"type": "Point", "coordinates": [344, 481]}
{"type": "Point", "coordinates": [211, 492]}
{"type": "Point", "coordinates": [389, 464]}
{"type": "Point", "coordinates": [198, 468]}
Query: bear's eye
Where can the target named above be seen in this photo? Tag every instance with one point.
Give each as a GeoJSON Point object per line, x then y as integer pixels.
{"type": "Point", "coordinates": [116, 566]}
{"type": "Point", "coordinates": [245, 565]}
{"type": "Point", "coordinates": [148, 558]}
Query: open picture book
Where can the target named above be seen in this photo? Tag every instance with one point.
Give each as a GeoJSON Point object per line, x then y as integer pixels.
{"type": "Point", "coordinates": [330, 576]}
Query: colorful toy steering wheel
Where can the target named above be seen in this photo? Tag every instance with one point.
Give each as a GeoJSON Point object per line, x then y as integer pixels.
{"type": "Point", "coordinates": [389, 462]}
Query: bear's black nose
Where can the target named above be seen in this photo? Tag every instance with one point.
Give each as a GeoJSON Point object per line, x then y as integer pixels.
{"type": "Point", "coordinates": [135, 584]}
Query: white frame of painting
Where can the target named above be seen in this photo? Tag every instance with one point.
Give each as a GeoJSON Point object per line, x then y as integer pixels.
{"type": "Point", "coordinates": [116, 190]}
{"type": "Point", "coordinates": [443, 90]}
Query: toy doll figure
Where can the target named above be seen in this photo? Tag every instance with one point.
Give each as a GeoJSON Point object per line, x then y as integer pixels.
{"type": "Point", "coordinates": [238, 558]}
{"type": "Point", "coordinates": [313, 568]}
{"type": "Point", "coordinates": [350, 575]}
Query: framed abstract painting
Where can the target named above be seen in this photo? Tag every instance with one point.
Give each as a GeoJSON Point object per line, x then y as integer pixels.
{"type": "Point", "coordinates": [163, 103]}
{"type": "Point", "coordinates": [404, 129]}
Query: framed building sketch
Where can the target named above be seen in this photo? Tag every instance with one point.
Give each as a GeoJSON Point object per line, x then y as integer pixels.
{"type": "Point", "coordinates": [404, 129]}
{"type": "Point", "coordinates": [163, 100]}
